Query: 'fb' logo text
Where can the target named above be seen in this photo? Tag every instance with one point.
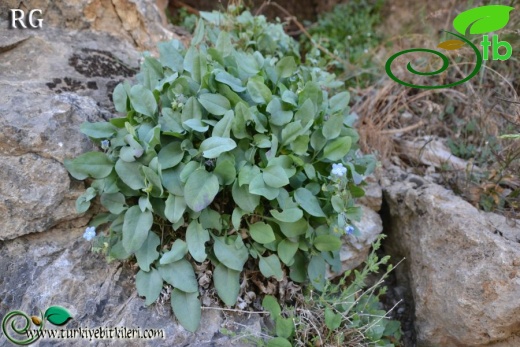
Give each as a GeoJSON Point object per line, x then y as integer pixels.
{"type": "Point", "coordinates": [477, 21]}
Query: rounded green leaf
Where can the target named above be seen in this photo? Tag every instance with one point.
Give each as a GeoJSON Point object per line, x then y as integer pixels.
{"type": "Point", "coordinates": [226, 78]}
{"type": "Point", "coordinates": [291, 131]}
{"type": "Point", "coordinates": [114, 202]}
{"type": "Point", "coordinates": [258, 91]}
{"type": "Point", "coordinates": [136, 226]}
{"type": "Point", "coordinates": [149, 285]}
{"type": "Point", "coordinates": [93, 164]}
{"type": "Point", "coordinates": [200, 190]}
{"type": "Point", "coordinates": [195, 63]}
{"type": "Point", "coordinates": [171, 180]}
{"type": "Point", "coordinates": [284, 327]}
{"type": "Point", "coordinates": [170, 56]}
{"type": "Point", "coordinates": [294, 229]}
{"type": "Point", "coordinates": [258, 187]}
{"type": "Point", "coordinates": [215, 146]}
{"type": "Point", "coordinates": [154, 180]}
{"type": "Point", "coordinates": [120, 97]}
{"type": "Point", "coordinates": [198, 35]}
{"type": "Point", "coordinates": [299, 268]}
{"type": "Point", "coordinates": [227, 283]}
{"type": "Point", "coordinates": [339, 102]}
{"type": "Point", "coordinates": [308, 202]}
{"type": "Point", "coordinates": [262, 233]}
{"type": "Point", "coordinates": [333, 126]}
{"type": "Point", "coordinates": [243, 198]}
{"type": "Point", "coordinates": [181, 275]}
{"type": "Point", "coordinates": [142, 100]}
{"type": "Point", "coordinates": [327, 243]}
{"type": "Point", "coordinates": [286, 251]}
{"type": "Point", "coordinates": [57, 315]}
{"type": "Point", "coordinates": [483, 19]}
{"type": "Point", "coordinates": [99, 130]}
{"type": "Point", "coordinates": [332, 320]}
{"type": "Point", "coordinates": [338, 148]}
{"type": "Point", "coordinates": [270, 304]}
{"type": "Point", "coordinates": [232, 256]}
{"type": "Point", "coordinates": [177, 252]}
{"type": "Point", "coordinates": [289, 215]}
{"type": "Point", "coordinates": [316, 272]}
{"type": "Point", "coordinates": [170, 155]}
{"type": "Point", "coordinates": [191, 110]}
{"type": "Point", "coordinates": [196, 238]}
{"type": "Point", "coordinates": [186, 307]}
{"type": "Point", "coordinates": [130, 173]}
{"type": "Point", "coordinates": [174, 208]}
{"type": "Point", "coordinates": [285, 67]}
{"type": "Point", "coordinates": [223, 126]}
{"type": "Point", "coordinates": [215, 103]}
{"type": "Point", "coordinates": [271, 266]}
{"type": "Point", "coordinates": [188, 170]}
{"type": "Point", "coordinates": [147, 254]}
{"type": "Point", "coordinates": [275, 176]}
{"type": "Point", "coordinates": [82, 205]}
{"type": "Point", "coordinates": [279, 342]}
{"type": "Point", "coordinates": [279, 116]}
{"type": "Point", "coordinates": [225, 172]}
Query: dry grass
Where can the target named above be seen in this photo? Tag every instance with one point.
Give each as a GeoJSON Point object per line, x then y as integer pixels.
{"type": "Point", "coordinates": [490, 102]}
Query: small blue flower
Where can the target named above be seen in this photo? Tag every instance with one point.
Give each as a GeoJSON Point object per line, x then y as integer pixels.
{"type": "Point", "coordinates": [338, 170]}
{"type": "Point", "coordinates": [105, 144]}
{"type": "Point", "coordinates": [349, 229]}
{"type": "Point", "coordinates": [90, 233]}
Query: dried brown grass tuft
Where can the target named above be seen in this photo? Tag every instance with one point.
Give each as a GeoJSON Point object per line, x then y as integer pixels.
{"type": "Point", "coordinates": [389, 111]}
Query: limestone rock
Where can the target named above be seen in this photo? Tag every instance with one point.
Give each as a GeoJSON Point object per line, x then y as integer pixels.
{"type": "Point", "coordinates": [373, 194]}
{"type": "Point", "coordinates": [433, 152]}
{"type": "Point", "coordinates": [58, 268]}
{"type": "Point", "coordinates": [45, 95]}
{"type": "Point", "coordinates": [354, 250]}
{"type": "Point", "coordinates": [462, 265]}
{"type": "Point", "coordinates": [141, 22]}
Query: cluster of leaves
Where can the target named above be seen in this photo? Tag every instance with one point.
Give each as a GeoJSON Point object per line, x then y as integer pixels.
{"type": "Point", "coordinates": [348, 31]}
{"type": "Point", "coordinates": [224, 154]}
{"type": "Point", "coordinates": [184, 19]}
{"type": "Point", "coordinates": [347, 313]}
{"type": "Point", "coordinates": [253, 33]}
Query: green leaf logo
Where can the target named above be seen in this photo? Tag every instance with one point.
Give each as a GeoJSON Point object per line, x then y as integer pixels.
{"type": "Point", "coordinates": [57, 315]}
{"type": "Point", "coordinates": [483, 19]}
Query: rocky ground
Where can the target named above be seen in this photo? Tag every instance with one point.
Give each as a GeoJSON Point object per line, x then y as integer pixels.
{"type": "Point", "coordinates": [459, 280]}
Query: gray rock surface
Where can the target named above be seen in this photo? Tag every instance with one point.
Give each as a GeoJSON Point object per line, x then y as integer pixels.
{"type": "Point", "coordinates": [44, 98]}
{"type": "Point", "coordinates": [58, 268]}
{"type": "Point", "coordinates": [462, 265]}
{"type": "Point", "coordinates": [140, 22]}
{"type": "Point", "coordinates": [355, 250]}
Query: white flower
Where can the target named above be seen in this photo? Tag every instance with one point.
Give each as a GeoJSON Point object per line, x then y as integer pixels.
{"type": "Point", "coordinates": [349, 37]}
{"type": "Point", "coordinates": [338, 170]}
{"type": "Point", "coordinates": [90, 233]}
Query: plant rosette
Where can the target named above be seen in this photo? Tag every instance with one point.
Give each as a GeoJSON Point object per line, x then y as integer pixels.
{"type": "Point", "coordinates": [223, 153]}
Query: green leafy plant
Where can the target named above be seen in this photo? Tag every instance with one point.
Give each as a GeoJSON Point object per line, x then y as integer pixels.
{"type": "Point", "coordinates": [183, 19]}
{"type": "Point", "coordinates": [349, 40]}
{"type": "Point", "coordinates": [343, 314]}
{"type": "Point", "coordinates": [224, 154]}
